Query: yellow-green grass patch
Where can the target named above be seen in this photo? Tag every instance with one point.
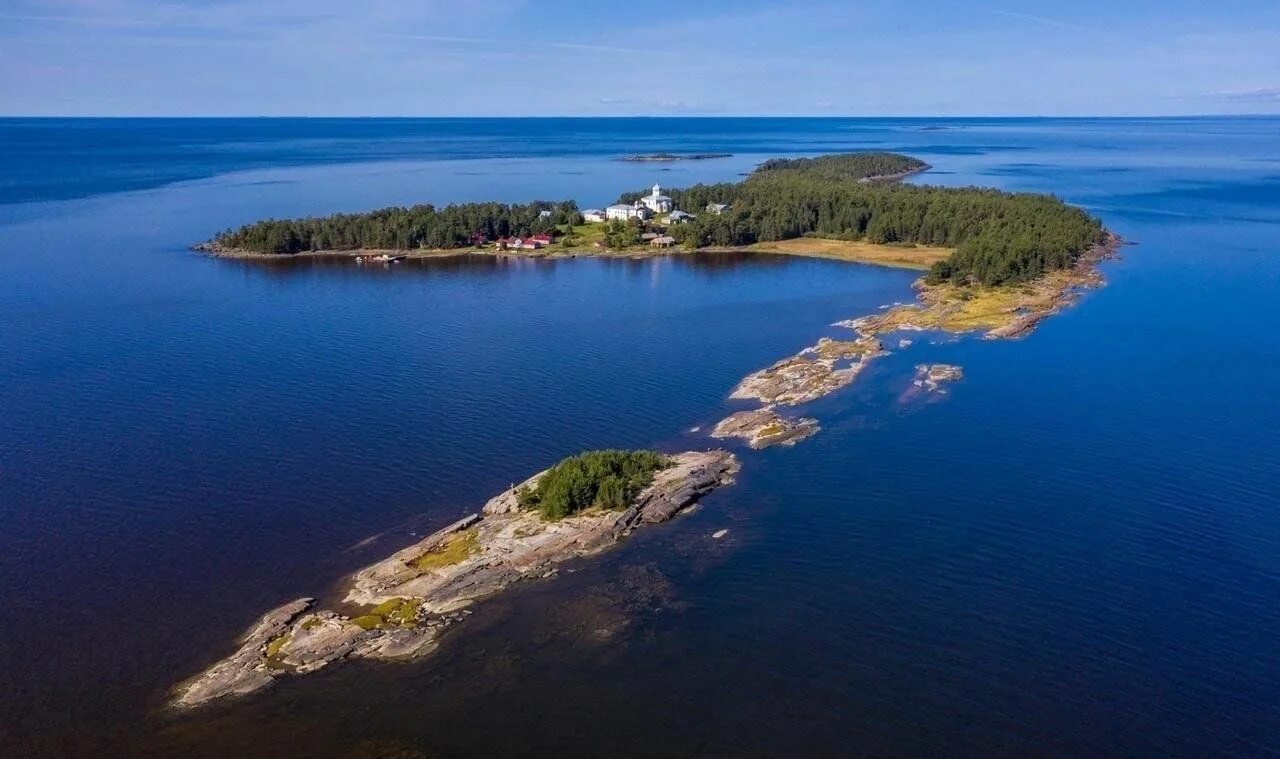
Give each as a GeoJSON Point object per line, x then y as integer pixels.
{"type": "Point", "coordinates": [860, 251]}
{"type": "Point", "coordinates": [452, 550]}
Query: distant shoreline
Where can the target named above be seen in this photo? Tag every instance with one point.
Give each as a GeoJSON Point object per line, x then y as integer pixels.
{"type": "Point", "coordinates": [672, 157]}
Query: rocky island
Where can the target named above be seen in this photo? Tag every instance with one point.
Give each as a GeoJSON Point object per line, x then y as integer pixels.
{"type": "Point", "coordinates": [1000, 279]}
{"type": "Point", "coordinates": [999, 312]}
{"type": "Point", "coordinates": [810, 374]}
{"type": "Point", "coordinates": [398, 607]}
{"type": "Point", "coordinates": [932, 377]}
{"type": "Point", "coordinates": [764, 427]}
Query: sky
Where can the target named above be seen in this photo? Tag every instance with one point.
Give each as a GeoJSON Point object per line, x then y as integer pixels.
{"type": "Point", "coordinates": [644, 57]}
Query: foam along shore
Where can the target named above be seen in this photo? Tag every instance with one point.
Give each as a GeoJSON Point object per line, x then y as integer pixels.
{"type": "Point", "coordinates": [932, 377]}
{"type": "Point", "coordinates": [410, 597]}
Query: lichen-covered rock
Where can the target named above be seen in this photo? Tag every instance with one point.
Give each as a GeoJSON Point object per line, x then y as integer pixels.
{"type": "Point", "coordinates": [812, 373]}
{"type": "Point", "coordinates": [764, 427]}
{"type": "Point", "coordinates": [319, 640]}
{"type": "Point", "coordinates": [247, 669]}
{"type": "Point", "coordinates": [415, 593]}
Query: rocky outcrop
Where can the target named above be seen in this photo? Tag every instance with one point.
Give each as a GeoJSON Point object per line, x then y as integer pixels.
{"type": "Point", "coordinates": [408, 598]}
{"type": "Point", "coordinates": [931, 377]}
{"type": "Point", "coordinates": [764, 427]}
{"type": "Point", "coordinates": [812, 373]}
{"type": "Point", "coordinates": [1002, 312]}
{"type": "Point", "coordinates": [245, 670]}
{"type": "Point", "coordinates": [823, 368]}
{"type": "Point", "coordinates": [508, 544]}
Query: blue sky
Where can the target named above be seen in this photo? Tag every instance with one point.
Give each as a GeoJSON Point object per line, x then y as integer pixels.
{"type": "Point", "coordinates": [572, 57]}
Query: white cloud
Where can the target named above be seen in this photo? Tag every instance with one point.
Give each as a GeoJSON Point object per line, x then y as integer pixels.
{"type": "Point", "coordinates": [1259, 95]}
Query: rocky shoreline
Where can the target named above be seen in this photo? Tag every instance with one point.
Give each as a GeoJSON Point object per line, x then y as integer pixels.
{"type": "Point", "coordinates": [406, 600]}
{"type": "Point", "coordinates": [403, 603]}
{"type": "Point", "coordinates": [999, 312]}
{"type": "Point", "coordinates": [897, 177]}
{"type": "Point", "coordinates": [829, 365]}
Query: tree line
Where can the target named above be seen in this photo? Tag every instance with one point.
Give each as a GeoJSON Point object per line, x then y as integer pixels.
{"type": "Point", "coordinates": [999, 237]}
{"type": "Point", "coordinates": [399, 228]}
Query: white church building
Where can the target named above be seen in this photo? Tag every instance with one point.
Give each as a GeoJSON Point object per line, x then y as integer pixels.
{"type": "Point", "coordinates": [624, 211]}
{"type": "Point", "coordinates": [657, 202]}
{"type": "Point", "coordinates": [653, 203]}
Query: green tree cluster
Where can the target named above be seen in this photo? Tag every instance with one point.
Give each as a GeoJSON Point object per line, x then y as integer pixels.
{"type": "Point", "coordinates": [845, 166]}
{"type": "Point", "coordinates": [999, 237]}
{"type": "Point", "coordinates": [422, 226]}
{"type": "Point", "coordinates": [607, 479]}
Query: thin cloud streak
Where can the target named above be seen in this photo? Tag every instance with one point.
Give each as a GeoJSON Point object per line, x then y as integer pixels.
{"type": "Point", "coordinates": [1259, 95]}
{"type": "Point", "coordinates": [533, 45]}
{"type": "Point", "coordinates": [1017, 15]}
{"type": "Point", "coordinates": [1045, 21]}
{"type": "Point", "coordinates": [85, 20]}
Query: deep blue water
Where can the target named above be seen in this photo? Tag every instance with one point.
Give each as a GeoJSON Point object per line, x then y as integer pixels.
{"type": "Point", "coordinates": [1074, 553]}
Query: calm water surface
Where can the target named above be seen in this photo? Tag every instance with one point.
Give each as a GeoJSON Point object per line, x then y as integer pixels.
{"type": "Point", "coordinates": [1076, 552]}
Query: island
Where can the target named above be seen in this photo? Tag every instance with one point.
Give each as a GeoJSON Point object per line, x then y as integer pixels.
{"type": "Point", "coordinates": [764, 427]}
{"type": "Point", "coordinates": [398, 607]}
{"type": "Point", "coordinates": [932, 377]}
{"type": "Point", "coordinates": [847, 206]}
{"type": "Point", "coordinates": [671, 157]}
{"type": "Point", "coordinates": [993, 263]}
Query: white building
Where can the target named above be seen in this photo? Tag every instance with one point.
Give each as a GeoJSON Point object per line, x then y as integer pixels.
{"type": "Point", "coordinates": [657, 202]}
{"type": "Point", "coordinates": [623, 211]}
{"type": "Point", "coordinates": [593, 215]}
{"type": "Point", "coordinates": [680, 217]}
{"type": "Point", "coordinates": [717, 208]}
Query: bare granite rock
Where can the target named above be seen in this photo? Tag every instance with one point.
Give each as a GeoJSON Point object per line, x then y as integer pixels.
{"type": "Point", "coordinates": [417, 592]}
{"type": "Point", "coordinates": [764, 427]}
{"type": "Point", "coordinates": [318, 640]}
{"type": "Point", "coordinates": [246, 670]}
{"type": "Point", "coordinates": [931, 377]}
{"type": "Point", "coordinates": [812, 373]}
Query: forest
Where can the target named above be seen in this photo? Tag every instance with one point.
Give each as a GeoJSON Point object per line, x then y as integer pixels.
{"type": "Point", "coordinates": [396, 228]}
{"type": "Point", "coordinates": [998, 237]}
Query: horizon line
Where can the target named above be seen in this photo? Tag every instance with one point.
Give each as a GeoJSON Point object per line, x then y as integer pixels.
{"type": "Point", "coordinates": [646, 116]}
